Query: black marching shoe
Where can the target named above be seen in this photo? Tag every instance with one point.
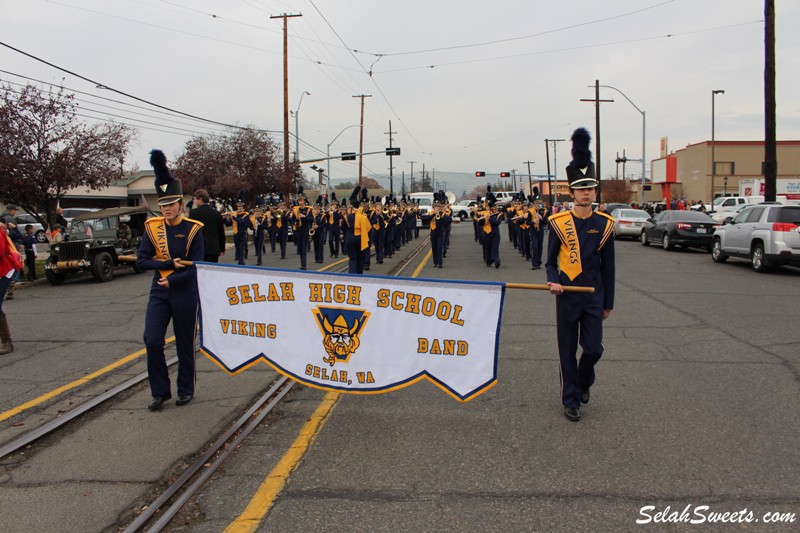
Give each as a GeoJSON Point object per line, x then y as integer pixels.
{"type": "Point", "coordinates": [497, 264]}
{"type": "Point", "coordinates": [157, 401]}
{"type": "Point", "coordinates": [585, 395]}
{"type": "Point", "coordinates": [572, 414]}
{"type": "Point", "coordinates": [183, 399]}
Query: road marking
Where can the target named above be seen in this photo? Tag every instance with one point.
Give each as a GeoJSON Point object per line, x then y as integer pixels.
{"type": "Point", "coordinates": [422, 264]}
{"type": "Point", "coordinates": [77, 383]}
{"type": "Point", "coordinates": [266, 494]}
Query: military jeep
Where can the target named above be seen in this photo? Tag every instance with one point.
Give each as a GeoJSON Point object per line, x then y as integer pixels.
{"type": "Point", "coordinates": [98, 241]}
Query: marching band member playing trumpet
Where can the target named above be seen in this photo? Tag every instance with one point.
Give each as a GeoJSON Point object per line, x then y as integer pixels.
{"type": "Point", "coordinates": [318, 226]}
{"type": "Point", "coordinates": [437, 226]}
{"type": "Point", "coordinates": [240, 221]}
{"type": "Point", "coordinates": [334, 222]}
{"type": "Point", "coordinates": [281, 222]}
{"type": "Point", "coordinates": [302, 219]}
{"type": "Point", "coordinates": [260, 222]}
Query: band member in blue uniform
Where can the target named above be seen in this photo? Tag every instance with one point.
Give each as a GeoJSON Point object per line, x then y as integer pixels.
{"type": "Point", "coordinates": [169, 240]}
{"type": "Point", "coordinates": [318, 227]}
{"type": "Point", "coordinates": [492, 239]}
{"type": "Point", "coordinates": [334, 226]}
{"type": "Point", "coordinates": [580, 253]}
{"type": "Point", "coordinates": [259, 222]}
{"type": "Point", "coordinates": [240, 220]}
{"type": "Point", "coordinates": [302, 219]}
{"type": "Point", "coordinates": [356, 227]}
{"type": "Point", "coordinates": [280, 219]}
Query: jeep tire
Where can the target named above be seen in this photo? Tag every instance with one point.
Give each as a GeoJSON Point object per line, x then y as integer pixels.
{"type": "Point", "coordinates": [55, 278]}
{"type": "Point", "coordinates": [103, 267]}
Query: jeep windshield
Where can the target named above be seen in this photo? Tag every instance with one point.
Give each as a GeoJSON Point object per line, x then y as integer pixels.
{"type": "Point", "coordinates": [87, 228]}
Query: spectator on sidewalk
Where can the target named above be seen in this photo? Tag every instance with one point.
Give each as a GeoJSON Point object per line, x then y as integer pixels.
{"type": "Point", "coordinates": [29, 245]}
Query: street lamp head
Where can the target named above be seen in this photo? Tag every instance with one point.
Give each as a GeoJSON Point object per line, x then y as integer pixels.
{"type": "Point", "coordinates": [718, 91]}
{"type": "Point", "coordinates": [309, 94]}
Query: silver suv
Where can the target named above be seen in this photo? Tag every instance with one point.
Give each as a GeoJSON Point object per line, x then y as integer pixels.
{"type": "Point", "coordinates": [766, 234]}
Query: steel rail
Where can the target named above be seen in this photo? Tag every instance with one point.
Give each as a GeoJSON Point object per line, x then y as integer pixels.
{"type": "Point", "coordinates": [29, 437]}
{"type": "Point", "coordinates": [222, 448]}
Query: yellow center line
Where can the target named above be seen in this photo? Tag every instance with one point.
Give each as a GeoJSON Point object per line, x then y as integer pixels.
{"type": "Point", "coordinates": [422, 264]}
{"type": "Point", "coordinates": [266, 494]}
{"type": "Point", "coordinates": [77, 383]}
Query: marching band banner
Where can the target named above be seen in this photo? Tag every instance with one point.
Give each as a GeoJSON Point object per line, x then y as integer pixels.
{"type": "Point", "coordinates": [357, 334]}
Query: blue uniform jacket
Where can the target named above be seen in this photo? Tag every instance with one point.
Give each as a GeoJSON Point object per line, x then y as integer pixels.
{"type": "Point", "coordinates": [595, 242]}
{"type": "Point", "coordinates": [182, 242]}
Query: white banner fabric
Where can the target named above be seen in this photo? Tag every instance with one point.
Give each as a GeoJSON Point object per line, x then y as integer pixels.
{"type": "Point", "coordinates": [352, 333]}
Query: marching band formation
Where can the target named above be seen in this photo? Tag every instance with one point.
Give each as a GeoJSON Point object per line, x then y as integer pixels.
{"type": "Point", "coordinates": [526, 219]}
{"type": "Point", "coordinates": [382, 223]}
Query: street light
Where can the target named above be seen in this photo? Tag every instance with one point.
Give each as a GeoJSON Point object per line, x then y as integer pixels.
{"type": "Point", "coordinates": [328, 186]}
{"type": "Point", "coordinates": [297, 126]}
{"type": "Point", "coordinates": [714, 93]}
{"type": "Point", "coordinates": [643, 134]}
{"type": "Point", "coordinates": [725, 186]}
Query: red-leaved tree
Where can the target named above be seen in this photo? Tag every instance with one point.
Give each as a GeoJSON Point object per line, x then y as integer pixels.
{"type": "Point", "coordinates": [46, 150]}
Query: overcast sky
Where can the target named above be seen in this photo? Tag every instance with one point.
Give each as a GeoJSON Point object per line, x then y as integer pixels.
{"type": "Point", "coordinates": [467, 85]}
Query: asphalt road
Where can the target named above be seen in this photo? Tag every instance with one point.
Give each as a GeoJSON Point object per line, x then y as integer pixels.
{"type": "Point", "coordinates": [692, 409]}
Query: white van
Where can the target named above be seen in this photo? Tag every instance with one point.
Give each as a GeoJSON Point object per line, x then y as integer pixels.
{"type": "Point", "coordinates": [425, 202]}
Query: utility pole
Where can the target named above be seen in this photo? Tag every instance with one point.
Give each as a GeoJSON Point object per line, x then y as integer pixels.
{"type": "Point", "coordinates": [422, 181]}
{"type": "Point", "coordinates": [286, 162]}
{"type": "Point", "coordinates": [770, 166]}
{"type": "Point", "coordinates": [530, 184]}
{"type": "Point", "coordinates": [412, 178]}
{"type": "Point", "coordinates": [391, 160]}
{"type": "Point", "coordinates": [403, 189]}
{"type": "Point", "coordinates": [597, 101]}
{"type": "Point", "coordinates": [553, 197]}
{"type": "Point", "coordinates": [361, 141]}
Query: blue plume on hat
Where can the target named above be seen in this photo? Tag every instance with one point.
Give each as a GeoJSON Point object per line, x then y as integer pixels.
{"type": "Point", "coordinates": [333, 196]}
{"type": "Point", "coordinates": [535, 192]}
{"type": "Point", "coordinates": [356, 191]}
{"type": "Point", "coordinates": [581, 155]}
{"type": "Point", "coordinates": [319, 200]}
{"type": "Point", "coordinates": [159, 163]}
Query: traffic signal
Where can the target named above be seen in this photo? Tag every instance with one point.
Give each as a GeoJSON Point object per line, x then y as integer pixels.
{"type": "Point", "coordinates": [505, 174]}
{"type": "Point", "coordinates": [480, 174]}
{"type": "Point", "coordinates": [348, 156]}
{"type": "Point", "coordinates": [393, 151]}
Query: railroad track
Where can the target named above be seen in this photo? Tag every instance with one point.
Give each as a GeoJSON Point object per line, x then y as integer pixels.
{"type": "Point", "coordinates": [168, 503]}
{"type": "Point", "coordinates": [192, 479]}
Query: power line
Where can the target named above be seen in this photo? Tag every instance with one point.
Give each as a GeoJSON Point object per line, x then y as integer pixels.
{"type": "Point", "coordinates": [103, 86]}
{"type": "Point", "coordinates": [519, 38]}
{"type": "Point", "coordinates": [571, 48]}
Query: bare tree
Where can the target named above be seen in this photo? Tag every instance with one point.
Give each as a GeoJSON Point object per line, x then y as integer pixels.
{"type": "Point", "coordinates": [45, 150]}
{"type": "Point", "coordinates": [617, 191]}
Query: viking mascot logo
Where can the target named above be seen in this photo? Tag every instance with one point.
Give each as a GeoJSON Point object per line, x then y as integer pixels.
{"type": "Point", "coordinates": [340, 331]}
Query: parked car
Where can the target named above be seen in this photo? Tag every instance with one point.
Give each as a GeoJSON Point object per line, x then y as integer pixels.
{"type": "Point", "coordinates": [464, 209]}
{"type": "Point", "coordinates": [23, 219]}
{"type": "Point", "coordinates": [629, 222]}
{"type": "Point", "coordinates": [98, 242]}
{"type": "Point", "coordinates": [765, 234]}
{"type": "Point", "coordinates": [610, 208]}
{"type": "Point", "coordinates": [504, 197]}
{"type": "Point", "coordinates": [682, 228]}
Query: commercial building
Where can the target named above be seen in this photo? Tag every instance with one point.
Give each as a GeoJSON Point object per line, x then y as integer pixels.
{"type": "Point", "coordinates": [686, 173]}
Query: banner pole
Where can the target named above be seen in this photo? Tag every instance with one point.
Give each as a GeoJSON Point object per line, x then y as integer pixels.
{"type": "Point", "coordinates": [538, 287]}
{"type": "Point", "coordinates": [528, 286]}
